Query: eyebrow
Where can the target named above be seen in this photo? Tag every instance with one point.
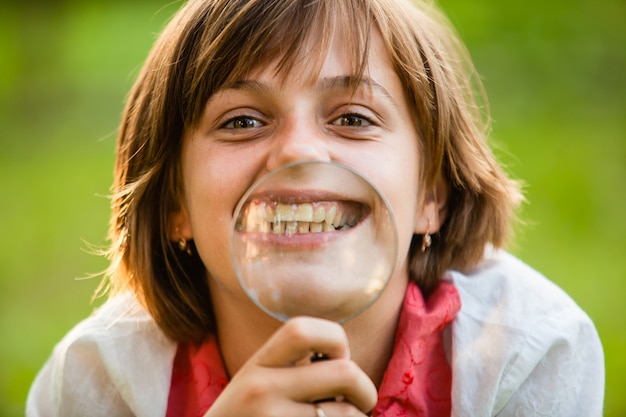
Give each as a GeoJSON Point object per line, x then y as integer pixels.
{"type": "Point", "coordinates": [341, 82]}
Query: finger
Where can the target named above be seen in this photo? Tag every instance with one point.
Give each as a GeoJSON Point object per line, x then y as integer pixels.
{"type": "Point", "coordinates": [340, 378]}
{"type": "Point", "coordinates": [337, 409]}
{"type": "Point", "coordinates": [278, 407]}
{"type": "Point", "coordinates": [298, 338]}
{"type": "Point", "coordinates": [323, 380]}
{"type": "Point", "coordinates": [327, 409]}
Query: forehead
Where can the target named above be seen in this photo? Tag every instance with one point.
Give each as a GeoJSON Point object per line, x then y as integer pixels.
{"type": "Point", "coordinates": [331, 32]}
{"type": "Point", "coordinates": [334, 68]}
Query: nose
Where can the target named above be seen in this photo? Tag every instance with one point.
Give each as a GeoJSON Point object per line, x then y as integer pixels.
{"type": "Point", "coordinates": [298, 142]}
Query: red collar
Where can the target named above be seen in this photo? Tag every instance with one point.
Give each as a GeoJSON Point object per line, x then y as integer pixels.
{"type": "Point", "coordinates": [417, 381]}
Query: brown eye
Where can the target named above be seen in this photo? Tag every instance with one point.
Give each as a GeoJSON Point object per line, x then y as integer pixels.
{"type": "Point", "coordinates": [352, 120]}
{"type": "Point", "coordinates": [242, 123]}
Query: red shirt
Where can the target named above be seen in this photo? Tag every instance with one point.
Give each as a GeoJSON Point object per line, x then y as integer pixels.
{"type": "Point", "coordinates": [417, 382]}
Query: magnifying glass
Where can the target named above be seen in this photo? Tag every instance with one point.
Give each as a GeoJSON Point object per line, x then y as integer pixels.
{"type": "Point", "coordinates": [313, 238]}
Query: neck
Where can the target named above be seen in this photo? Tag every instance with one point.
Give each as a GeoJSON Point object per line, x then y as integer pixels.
{"type": "Point", "coordinates": [242, 329]}
{"type": "Point", "coordinates": [372, 333]}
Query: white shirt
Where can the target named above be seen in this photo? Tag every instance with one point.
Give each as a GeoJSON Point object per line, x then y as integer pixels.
{"type": "Point", "coordinates": [519, 347]}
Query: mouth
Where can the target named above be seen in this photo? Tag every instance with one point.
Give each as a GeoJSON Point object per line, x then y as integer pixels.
{"type": "Point", "coordinates": [299, 218]}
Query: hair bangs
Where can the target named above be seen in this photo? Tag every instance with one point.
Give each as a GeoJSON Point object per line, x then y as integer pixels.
{"type": "Point", "coordinates": [284, 35]}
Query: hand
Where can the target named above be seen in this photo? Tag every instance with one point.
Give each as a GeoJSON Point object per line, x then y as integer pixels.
{"type": "Point", "coordinates": [280, 379]}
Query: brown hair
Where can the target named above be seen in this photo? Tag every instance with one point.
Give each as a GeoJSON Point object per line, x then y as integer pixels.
{"type": "Point", "coordinates": [210, 44]}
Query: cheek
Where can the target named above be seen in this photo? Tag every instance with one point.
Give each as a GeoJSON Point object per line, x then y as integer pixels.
{"type": "Point", "coordinates": [396, 175]}
{"type": "Point", "coordinates": [401, 187]}
{"type": "Point", "coordinates": [403, 197]}
{"type": "Point", "coordinates": [212, 191]}
{"type": "Point", "coordinates": [208, 199]}
{"type": "Point", "coordinates": [216, 177]}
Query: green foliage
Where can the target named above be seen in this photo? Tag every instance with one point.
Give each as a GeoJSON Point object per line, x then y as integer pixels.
{"type": "Point", "coordinates": [555, 73]}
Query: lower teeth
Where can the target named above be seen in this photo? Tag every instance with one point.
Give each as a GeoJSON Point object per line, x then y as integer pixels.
{"type": "Point", "coordinates": [292, 228]}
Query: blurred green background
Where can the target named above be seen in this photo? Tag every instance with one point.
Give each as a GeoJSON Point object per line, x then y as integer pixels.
{"type": "Point", "coordinates": [555, 72]}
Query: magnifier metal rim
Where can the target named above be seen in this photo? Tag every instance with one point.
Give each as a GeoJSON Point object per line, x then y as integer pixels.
{"type": "Point", "coordinates": [254, 186]}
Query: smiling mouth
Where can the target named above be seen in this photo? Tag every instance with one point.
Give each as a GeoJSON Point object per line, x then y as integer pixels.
{"type": "Point", "coordinates": [281, 218]}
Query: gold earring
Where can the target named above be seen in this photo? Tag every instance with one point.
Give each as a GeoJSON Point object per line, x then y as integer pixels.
{"type": "Point", "coordinates": [183, 245]}
{"type": "Point", "coordinates": [426, 239]}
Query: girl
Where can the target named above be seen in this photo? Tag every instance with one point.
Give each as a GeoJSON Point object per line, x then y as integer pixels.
{"type": "Point", "coordinates": [234, 89]}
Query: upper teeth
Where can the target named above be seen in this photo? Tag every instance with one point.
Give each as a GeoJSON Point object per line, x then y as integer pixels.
{"type": "Point", "coordinates": [281, 218]}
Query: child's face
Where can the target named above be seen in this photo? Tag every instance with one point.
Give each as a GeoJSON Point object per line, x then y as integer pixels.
{"type": "Point", "coordinates": [264, 123]}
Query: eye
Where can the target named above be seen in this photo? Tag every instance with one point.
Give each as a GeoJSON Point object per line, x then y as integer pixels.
{"type": "Point", "coordinates": [352, 120]}
{"type": "Point", "coordinates": [242, 122]}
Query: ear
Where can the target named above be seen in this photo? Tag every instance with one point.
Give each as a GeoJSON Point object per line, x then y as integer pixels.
{"type": "Point", "coordinates": [180, 224]}
{"type": "Point", "coordinates": [432, 212]}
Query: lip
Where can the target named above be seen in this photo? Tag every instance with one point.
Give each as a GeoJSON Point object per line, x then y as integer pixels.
{"type": "Point", "coordinates": [295, 242]}
{"type": "Point", "coordinates": [290, 196]}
